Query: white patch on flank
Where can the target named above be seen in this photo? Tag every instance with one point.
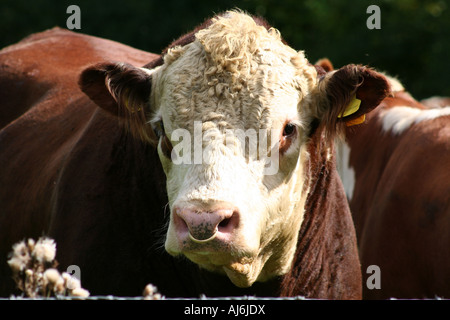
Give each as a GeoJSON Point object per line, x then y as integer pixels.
{"type": "Point", "coordinates": [436, 102]}
{"type": "Point", "coordinates": [345, 171]}
{"type": "Point", "coordinates": [399, 119]}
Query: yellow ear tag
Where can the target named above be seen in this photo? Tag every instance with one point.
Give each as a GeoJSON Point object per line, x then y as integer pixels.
{"type": "Point", "coordinates": [352, 107]}
{"type": "Point", "coordinates": [356, 121]}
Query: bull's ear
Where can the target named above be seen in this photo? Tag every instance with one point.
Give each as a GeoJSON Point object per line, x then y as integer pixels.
{"type": "Point", "coordinates": [325, 64]}
{"type": "Point", "coordinates": [344, 96]}
{"type": "Point", "coordinates": [124, 91]}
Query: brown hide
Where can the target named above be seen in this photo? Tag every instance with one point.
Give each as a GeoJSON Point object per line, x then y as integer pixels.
{"type": "Point", "coordinates": [401, 203]}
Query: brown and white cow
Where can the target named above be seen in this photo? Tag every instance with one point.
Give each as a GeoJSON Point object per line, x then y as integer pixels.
{"type": "Point", "coordinates": [94, 181]}
{"type": "Point", "coordinates": [436, 102]}
{"type": "Point", "coordinates": [396, 171]}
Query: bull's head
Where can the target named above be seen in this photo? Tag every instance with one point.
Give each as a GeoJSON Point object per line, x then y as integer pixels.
{"type": "Point", "coordinates": [231, 114]}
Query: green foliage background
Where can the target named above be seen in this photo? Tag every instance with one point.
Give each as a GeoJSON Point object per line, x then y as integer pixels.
{"type": "Point", "coordinates": [412, 44]}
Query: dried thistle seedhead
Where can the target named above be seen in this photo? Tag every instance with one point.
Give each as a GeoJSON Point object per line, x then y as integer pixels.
{"type": "Point", "coordinates": [80, 293]}
{"type": "Point", "coordinates": [151, 293]}
{"type": "Point", "coordinates": [34, 270]}
{"type": "Point", "coordinates": [52, 280]}
{"type": "Point", "coordinates": [45, 250]}
{"type": "Point", "coordinates": [51, 276]}
{"type": "Point", "coordinates": [20, 257]}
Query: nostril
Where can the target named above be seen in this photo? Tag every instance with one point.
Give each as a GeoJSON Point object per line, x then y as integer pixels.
{"type": "Point", "coordinates": [230, 223]}
{"type": "Point", "coordinates": [224, 223]}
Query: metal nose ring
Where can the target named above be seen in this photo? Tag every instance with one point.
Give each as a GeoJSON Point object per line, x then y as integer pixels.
{"type": "Point", "coordinates": [202, 241]}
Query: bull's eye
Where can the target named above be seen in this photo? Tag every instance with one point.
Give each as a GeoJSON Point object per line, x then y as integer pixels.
{"type": "Point", "coordinates": [289, 134]}
{"type": "Point", "coordinates": [289, 130]}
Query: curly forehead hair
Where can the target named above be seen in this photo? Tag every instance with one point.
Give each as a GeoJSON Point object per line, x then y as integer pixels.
{"type": "Point", "coordinates": [236, 44]}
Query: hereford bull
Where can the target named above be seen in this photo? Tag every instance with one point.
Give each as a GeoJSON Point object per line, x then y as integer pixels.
{"type": "Point", "coordinates": [397, 177]}
{"type": "Point", "coordinates": [81, 165]}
